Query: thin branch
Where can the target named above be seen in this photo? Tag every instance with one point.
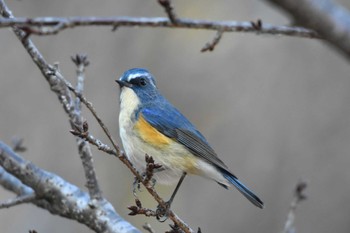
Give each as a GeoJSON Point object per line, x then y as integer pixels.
{"type": "Point", "coordinates": [169, 9]}
{"type": "Point", "coordinates": [225, 26]}
{"type": "Point", "coordinates": [139, 210]}
{"type": "Point", "coordinates": [211, 45]}
{"type": "Point", "coordinates": [17, 144]}
{"type": "Point", "coordinates": [148, 228]}
{"type": "Point", "coordinates": [25, 198]}
{"type": "Point", "coordinates": [77, 123]}
{"type": "Point", "coordinates": [96, 142]}
{"type": "Point", "coordinates": [299, 196]}
{"type": "Point", "coordinates": [62, 198]}
{"type": "Point", "coordinates": [330, 20]}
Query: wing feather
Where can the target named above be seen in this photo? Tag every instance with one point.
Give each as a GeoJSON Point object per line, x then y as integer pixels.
{"type": "Point", "coordinates": [173, 124]}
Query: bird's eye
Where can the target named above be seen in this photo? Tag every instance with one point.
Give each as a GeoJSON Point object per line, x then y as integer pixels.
{"type": "Point", "coordinates": [143, 82]}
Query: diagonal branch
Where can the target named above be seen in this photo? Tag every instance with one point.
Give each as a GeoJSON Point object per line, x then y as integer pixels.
{"type": "Point", "coordinates": [60, 197]}
{"type": "Point", "coordinates": [169, 9]}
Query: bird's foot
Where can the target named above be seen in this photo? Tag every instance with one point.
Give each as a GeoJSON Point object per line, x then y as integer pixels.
{"type": "Point", "coordinates": [162, 212]}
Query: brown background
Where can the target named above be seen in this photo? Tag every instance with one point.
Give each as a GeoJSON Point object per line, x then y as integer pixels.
{"type": "Point", "coordinates": [276, 109]}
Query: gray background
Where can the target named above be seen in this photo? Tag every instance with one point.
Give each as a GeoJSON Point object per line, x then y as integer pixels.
{"type": "Point", "coordinates": [276, 110]}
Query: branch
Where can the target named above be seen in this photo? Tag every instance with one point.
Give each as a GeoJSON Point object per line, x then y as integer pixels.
{"type": "Point", "coordinates": [329, 20]}
{"type": "Point", "coordinates": [62, 198]}
{"type": "Point", "coordinates": [169, 9]}
{"type": "Point", "coordinates": [77, 123]}
{"type": "Point", "coordinates": [40, 25]}
{"type": "Point", "coordinates": [299, 196]}
{"type": "Point", "coordinates": [25, 198]}
{"type": "Point", "coordinates": [211, 45]}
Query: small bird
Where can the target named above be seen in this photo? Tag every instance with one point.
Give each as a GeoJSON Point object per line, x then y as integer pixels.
{"type": "Point", "coordinates": [150, 124]}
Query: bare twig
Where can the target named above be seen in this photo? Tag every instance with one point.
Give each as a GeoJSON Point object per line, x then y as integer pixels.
{"type": "Point", "coordinates": [330, 20]}
{"type": "Point", "coordinates": [211, 45]}
{"type": "Point", "coordinates": [150, 167]}
{"type": "Point", "coordinates": [299, 196]}
{"type": "Point", "coordinates": [138, 209]}
{"type": "Point", "coordinates": [257, 24]}
{"type": "Point", "coordinates": [169, 9]}
{"type": "Point", "coordinates": [96, 142]}
{"type": "Point", "coordinates": [17, 144]}
{"type": "Point", "coordinates": [225, 26]}
{"type": "Point", "coordinates": [25, 198]}
{"type": "Point", "coordinates": [77, 123]}
{"type": "Point", "coordinates": [148, 228]}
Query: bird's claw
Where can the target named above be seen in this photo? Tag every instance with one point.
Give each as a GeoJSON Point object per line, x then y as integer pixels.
{"type": "Point", "coordinates": [162, 213]}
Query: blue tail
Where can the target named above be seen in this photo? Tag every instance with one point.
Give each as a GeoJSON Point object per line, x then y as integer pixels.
{"type": "Point", "coordinates": [243, 189]}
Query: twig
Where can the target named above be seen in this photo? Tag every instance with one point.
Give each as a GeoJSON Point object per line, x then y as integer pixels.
{"type": "Point", "coordinates": [139, 210]}
{"type": "Point", "coordinates": [77, 123]}
{"type": "Point", "coordinates": [148, 227]}
{"type": "Point", "coordinates": [211, 45]}
{"type": "Point", "coordinates": [92, 140]}
{"type": "Point", "coordinates": [25, 198]}
{"type": "Point", "coordinates": [17, 144]}
{"type": "Point", "coordinates": [169, 9]}
{"type": "Point", "coordinates": [299, 196]}
{"type": "Point", "coordinates": [150, 167]}
{"type": "Point", "coordinates": [225, 26]}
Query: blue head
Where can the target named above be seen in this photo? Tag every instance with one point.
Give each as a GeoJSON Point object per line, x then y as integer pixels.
{"type": "Point", "coordinates": [141, 82]}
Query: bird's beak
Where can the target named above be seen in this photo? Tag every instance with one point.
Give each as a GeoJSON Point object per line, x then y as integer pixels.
{"type": "Point", "coordinates": [123, 84]}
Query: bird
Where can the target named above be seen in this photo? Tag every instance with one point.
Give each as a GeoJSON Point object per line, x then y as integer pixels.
{"type": "Point", "coordinates": [150, 125]}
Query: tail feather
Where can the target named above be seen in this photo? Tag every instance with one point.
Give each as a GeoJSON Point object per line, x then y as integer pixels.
{"type": "Point", "coordinates": [244, 190]}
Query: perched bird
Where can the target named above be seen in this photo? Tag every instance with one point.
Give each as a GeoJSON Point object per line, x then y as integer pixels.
{"type": "Point", "coordinates": [150, 124]}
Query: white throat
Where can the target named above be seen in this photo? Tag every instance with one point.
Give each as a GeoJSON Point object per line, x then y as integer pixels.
{"type": "Point", "coordinates": [128, 104]}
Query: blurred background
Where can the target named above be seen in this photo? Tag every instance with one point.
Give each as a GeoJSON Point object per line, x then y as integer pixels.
{"type": "Point", "coordinates": [275, 108]}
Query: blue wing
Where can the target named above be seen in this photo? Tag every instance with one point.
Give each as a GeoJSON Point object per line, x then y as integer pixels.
{"type": "Point", "coordinates": [170, 122]}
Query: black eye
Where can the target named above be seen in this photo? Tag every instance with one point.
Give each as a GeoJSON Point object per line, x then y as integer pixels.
{"type": "Point", "coordinates": [143, 82]}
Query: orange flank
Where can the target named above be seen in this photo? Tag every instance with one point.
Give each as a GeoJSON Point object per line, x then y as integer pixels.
{"type": "Point", "coordinates": [151, 135]}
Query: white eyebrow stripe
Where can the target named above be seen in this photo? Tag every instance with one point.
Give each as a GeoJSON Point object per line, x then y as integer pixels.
{"type": "Point", "coordinates": [132, 76]}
